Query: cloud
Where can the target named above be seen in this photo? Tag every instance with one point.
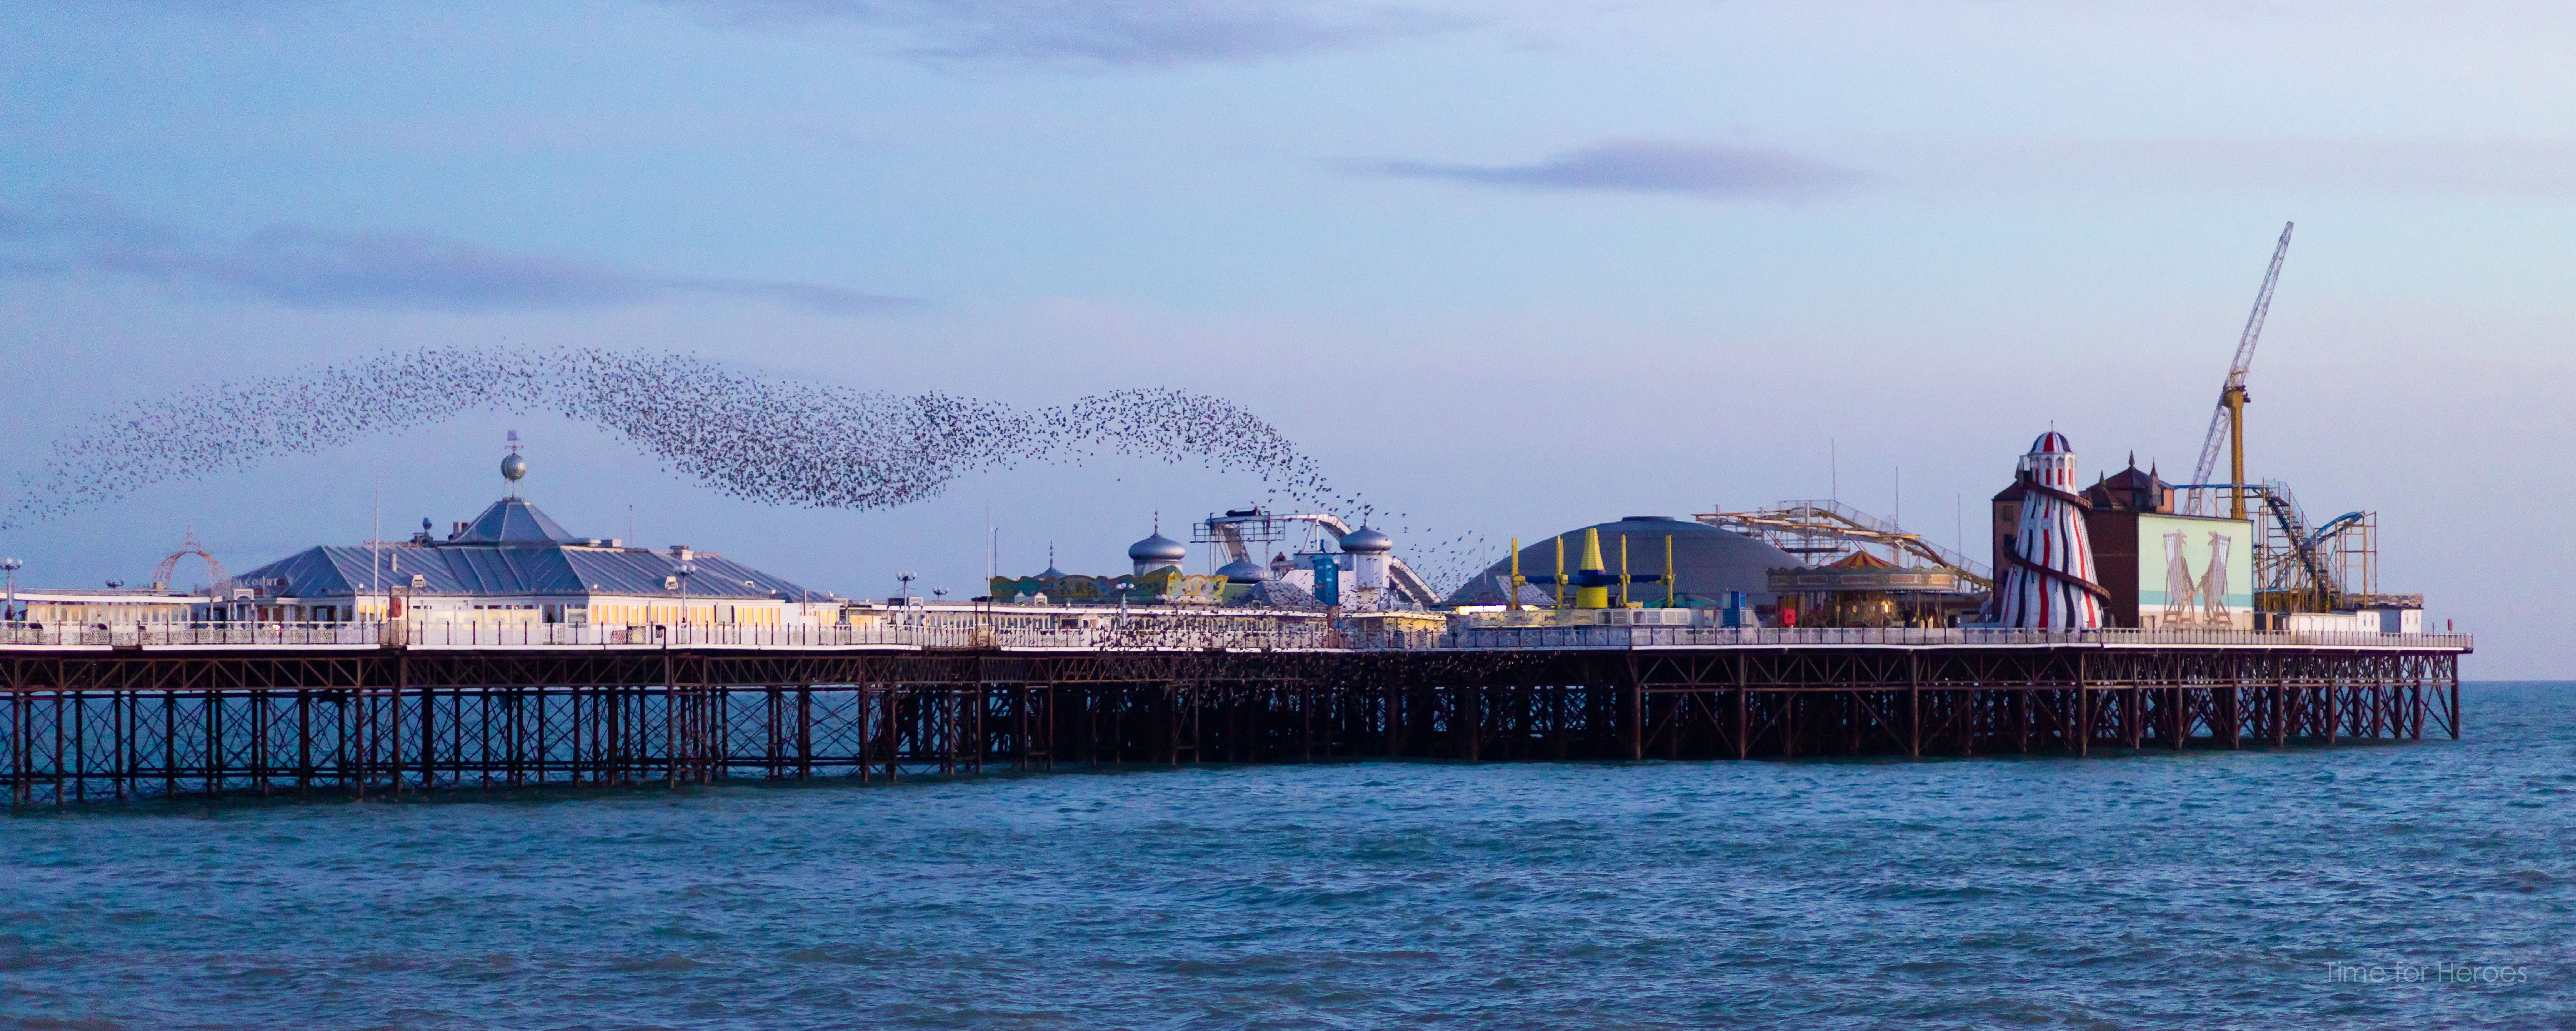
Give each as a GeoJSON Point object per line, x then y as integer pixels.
{"type": "Point", "coordinates": [1644, 166]}
{"type": "Point", "coordinates": [2298, 165]}
{"type": "Point", "coordinates": [1096, 33]}
{"type": "Point", "coordinates": [305, 267]}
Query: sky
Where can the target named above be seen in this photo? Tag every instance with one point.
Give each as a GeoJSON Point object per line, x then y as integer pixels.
{"type": "Point", "coordinates": [1503, 268]}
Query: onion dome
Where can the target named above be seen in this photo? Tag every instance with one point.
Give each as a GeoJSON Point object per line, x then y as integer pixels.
{"type": "Point", "coordinates": [1158, 548]}
{"type": "Point", "coordinates": [2051, 442]}
{"type": "Point", "coordinates": [1367, 540]}
{"type": "Point", "coordinates": [1242, 572]}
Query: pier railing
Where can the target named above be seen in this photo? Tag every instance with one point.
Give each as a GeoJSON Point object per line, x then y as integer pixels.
{"type": "Point", "coordinates": [1143, 632]}
{"type": "Point", "coordinates": [1671, 637]}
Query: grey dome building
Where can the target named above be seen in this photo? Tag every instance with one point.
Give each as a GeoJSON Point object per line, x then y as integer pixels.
{"type": "Point", "coordinates": [1365, 539]}
{"type": "Point", "coordinates": [1707, 562]}
{"type": "Point", "coordinates": [515, 566]}
{"type": "Point", "coordinates": [1243, 572]}
{"type": "Point", "coordinates": [1157, 552]}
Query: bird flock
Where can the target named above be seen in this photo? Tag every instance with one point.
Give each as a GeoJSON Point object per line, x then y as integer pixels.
{"type": "Point", "coordinates": [746, 435]}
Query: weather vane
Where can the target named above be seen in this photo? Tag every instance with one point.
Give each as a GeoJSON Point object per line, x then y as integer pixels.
{"type": "Point", "coordinates": [513, 467]}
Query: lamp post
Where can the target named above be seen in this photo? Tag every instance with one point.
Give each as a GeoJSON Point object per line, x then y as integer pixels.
{"type": "Point", "coordinates": [9, 601]}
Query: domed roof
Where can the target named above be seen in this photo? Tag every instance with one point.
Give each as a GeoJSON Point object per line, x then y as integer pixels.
{"type": "Point", "coordinates": [1244, 572]}
{"type": "Point", "coordinates": [1365, 539]}
{"type": "Point", "coordinates": [1707, 561]}
{"type": "Point", "coordinates": [512, 521]}
{"type": "Point", "coordinates": [2051, 442]}
{"type": "Point", "coordinates": [1158, 548]}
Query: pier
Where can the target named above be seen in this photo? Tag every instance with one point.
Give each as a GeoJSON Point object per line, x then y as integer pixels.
{"type": "Point", "coordinates": [383, 709]}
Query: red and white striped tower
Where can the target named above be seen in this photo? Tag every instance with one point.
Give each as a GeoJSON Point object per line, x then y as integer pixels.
{"type": "Point", "coordinates": [2050, 584]}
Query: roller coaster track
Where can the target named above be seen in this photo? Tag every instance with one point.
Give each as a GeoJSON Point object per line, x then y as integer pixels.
{"type": "Point", "coordinates": [2314, 575]}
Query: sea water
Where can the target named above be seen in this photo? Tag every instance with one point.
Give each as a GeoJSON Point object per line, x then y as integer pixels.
{"type": "Point", "coordinates": [2346, 886]}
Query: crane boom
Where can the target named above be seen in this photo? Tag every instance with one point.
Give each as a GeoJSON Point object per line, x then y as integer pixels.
{"type": "Point", "coordinates": [2225, 424]}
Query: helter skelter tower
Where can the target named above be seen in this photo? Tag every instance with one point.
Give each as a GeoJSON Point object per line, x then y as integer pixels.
{"type": "Point", "coordinates": [2049, 583]}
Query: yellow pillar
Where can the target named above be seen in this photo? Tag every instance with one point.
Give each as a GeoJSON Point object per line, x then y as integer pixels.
{"type": "Point", "coordinates": [1560, 572]}
{"type": "Point", "coordinates": [1592, 597]}
{"type": "Point", "coordinates": [1669, 588]}
{"type": "Point", "coordinates": [2235, 399]}
{"type": "Point", "coordinates": [1624, 601]}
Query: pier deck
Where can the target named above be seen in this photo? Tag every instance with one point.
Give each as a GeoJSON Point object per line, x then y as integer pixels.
{"type": "Point", "coordinates": [95, 715]}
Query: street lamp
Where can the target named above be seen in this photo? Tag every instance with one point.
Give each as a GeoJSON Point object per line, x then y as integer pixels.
{"type": "Point", "coordinates": [907, 579]}
{"type": "Point", "coordinates": [9, 601]}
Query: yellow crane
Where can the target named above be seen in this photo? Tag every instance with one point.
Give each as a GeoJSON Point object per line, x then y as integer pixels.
{"type": "Point", "coordinates": [2227, 425]}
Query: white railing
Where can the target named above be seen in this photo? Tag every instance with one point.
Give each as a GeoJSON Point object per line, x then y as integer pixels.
{"type": "Point", "coordinates": [1669, 637]}
{"type": "Point", "coordinates": [680, 635]}
{"type": "Point", "coordinates": [1139, 634]}
{"type": "Point", "coordinates": [187, 635]}
{"type": "Point", "coordinates": [1144, 631]}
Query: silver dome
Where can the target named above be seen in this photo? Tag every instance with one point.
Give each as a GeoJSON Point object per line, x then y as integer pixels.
{"type": "Point", "coordinates": [1365, 539]}
{"type": "Point", "coordinates": [1158, 548]}
{"type": "Point", "coordinates": [1245, 572]}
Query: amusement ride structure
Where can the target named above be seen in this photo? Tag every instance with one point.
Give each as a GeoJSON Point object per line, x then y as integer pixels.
{"type": "Point", "coordinates": [1237, 530]}
{"type": "Point", "coordinates": [188, 545]}
{"type": "Point", "coordinates": [2050, 583]}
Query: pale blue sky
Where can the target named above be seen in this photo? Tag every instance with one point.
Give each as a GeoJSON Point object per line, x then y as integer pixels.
{"type": "Point", "coordinates": [1505, 267]}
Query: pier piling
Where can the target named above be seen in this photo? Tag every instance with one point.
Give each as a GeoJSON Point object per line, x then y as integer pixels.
{"type": "Point", "coordinates": [117, 725]}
